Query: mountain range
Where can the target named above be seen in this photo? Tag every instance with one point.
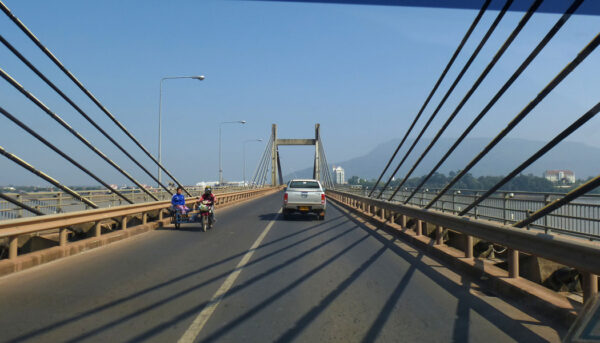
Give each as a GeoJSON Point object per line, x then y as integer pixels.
{"type": "Point", "coordinates": [582, 159]}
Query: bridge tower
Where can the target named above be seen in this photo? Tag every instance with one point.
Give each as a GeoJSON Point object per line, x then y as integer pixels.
{"type": "Point", "coordinates": [319, 162]}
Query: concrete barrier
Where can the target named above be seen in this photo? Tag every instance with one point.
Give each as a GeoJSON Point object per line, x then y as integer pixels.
{"type": "Point", "coordinates": [151, 214]}
{"type": "Point", "coordinates": [578, 253]}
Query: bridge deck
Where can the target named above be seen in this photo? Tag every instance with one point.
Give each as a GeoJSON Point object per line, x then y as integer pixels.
{"type": "Point", "coordinates": [308, 280]}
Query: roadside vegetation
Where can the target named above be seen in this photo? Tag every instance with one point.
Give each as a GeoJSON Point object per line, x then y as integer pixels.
{"type": "Point", "coordinates": [524, 183]}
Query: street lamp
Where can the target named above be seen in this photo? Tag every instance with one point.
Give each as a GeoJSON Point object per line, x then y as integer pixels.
{"type": "Point", "coordinates": [244, 150]}
{"type": "Point", "coordinates": [197, 77]}
{"type": "Point", "coordinates": [220, 158]}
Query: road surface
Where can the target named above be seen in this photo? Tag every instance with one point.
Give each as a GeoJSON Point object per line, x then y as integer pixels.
{"type": "Point", "coordinates": [258, 278]}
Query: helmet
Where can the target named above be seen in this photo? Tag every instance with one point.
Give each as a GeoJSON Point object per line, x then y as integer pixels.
{"type": "Point", "coordinates": [207, 190]}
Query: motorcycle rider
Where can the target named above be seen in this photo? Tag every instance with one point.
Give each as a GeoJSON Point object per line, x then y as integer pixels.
{"type": "Point", "coordinates": [210, 199]}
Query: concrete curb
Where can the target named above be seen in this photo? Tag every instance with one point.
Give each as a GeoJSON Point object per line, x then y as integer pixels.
{"type": "Point", "coordinates": [40, 257]}
{"type": "Point", "coordinates": [490, 276]}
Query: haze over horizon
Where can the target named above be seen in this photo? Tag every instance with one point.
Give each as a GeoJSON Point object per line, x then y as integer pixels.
{"type": "Point", "coordinates": [362, 72]}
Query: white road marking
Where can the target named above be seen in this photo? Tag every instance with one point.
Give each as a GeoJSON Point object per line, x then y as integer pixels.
{"type": "Point", "coordinates": [193, 331]}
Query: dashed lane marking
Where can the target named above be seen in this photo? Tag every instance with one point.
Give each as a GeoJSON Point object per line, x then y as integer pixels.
{"type": "Point", "coordinates": [194, 330]}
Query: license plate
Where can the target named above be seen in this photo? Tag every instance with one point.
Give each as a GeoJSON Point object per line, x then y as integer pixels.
{"type": "Point", "coordinates": [304, 208]}
{"type": "Point", "coordinates": [304, 194]}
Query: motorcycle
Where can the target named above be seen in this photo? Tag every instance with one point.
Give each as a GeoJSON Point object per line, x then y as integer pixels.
{"type": "Point", "coordinates": [206, 215]}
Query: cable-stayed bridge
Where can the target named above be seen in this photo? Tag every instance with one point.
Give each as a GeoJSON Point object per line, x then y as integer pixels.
{"type": "Point", "coordinates": [389, 263]}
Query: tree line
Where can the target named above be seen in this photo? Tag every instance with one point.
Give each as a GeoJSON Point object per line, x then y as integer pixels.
{"type": "Point", "coordinates": [522, 182]}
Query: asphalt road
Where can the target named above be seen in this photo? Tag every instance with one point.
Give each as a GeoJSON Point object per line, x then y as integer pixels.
{"type": "Point", "coordinates": [308, 281]}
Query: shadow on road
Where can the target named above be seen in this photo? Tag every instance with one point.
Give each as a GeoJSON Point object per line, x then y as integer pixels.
{"type": "Point", "coordinates": [121, 301]}
{"type": "Point", "coordinates": [466, 301]}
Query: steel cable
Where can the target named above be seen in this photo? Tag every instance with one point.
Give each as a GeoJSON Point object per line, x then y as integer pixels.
{"type": "Point", "coordinates": [259, 165]}
{"type": "Point", "coordinates": [46, 177]}
{"type": "Point", "coordinates": [577, 192]}
{"type": "Point", "coordinates": [61, 153]}
{"type": "Point", "coordinates": [551, 33]}
{"type": "Point", "coordinates": [479, 80]}
{"type": "Point", "coordinates": [435, 87]}
{"type": "Point", "coordinates": [64, 124]}
{"type": "Point", "coordinates": [559, 138]}
{"type": "Point", "coordinates": [454, 84]}
{"type": "Point", "coordinates": [20, 204]}
{"type": "Point", "coordinates": [59, 64]}
{"type": "Point", "coordinates": [78, 109]}
{"type": "Point", "coordinates": [582, 55]}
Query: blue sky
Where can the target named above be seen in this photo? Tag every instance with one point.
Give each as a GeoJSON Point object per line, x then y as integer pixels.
{"type": "Point", "coordinates": [361, 71]}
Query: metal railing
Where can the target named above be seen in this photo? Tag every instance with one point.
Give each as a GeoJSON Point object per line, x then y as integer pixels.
{"type": "Point", "coordinates": [11, 230]}
{"type": "Point", "coordinates": [577, 253]}
{"type": "Point", "coordinates": [580, 218]}
{"type": "Point", "coordinates": [60, 202]}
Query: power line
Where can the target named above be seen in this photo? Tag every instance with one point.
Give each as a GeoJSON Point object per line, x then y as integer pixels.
{"type": "Point", "coordinates": [551, 33]}
{"type": "Point", "coordinates": [456, 81]}
{"type": "Point", "coordinates": [435, 87]}
{"type": "Point", "coordinates": [557, 80]}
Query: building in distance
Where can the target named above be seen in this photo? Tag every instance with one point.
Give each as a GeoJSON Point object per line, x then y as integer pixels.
{"type": "Point", "coordinates": [339, 176]}
{"type": "Point", "coordinates": [560, 176]}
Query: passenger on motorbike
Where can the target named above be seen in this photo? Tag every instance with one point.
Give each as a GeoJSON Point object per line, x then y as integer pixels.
{"type": "Point", "coordinates": [178, 202]}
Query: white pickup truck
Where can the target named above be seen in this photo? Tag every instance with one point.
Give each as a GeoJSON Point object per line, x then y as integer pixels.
{"type": "Point", "coordinates": [304, 196]}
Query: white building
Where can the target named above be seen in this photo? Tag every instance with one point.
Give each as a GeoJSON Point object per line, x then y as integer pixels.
{"type": "Point", "coordinates": [339, 176]}
{"type": "Point", "coordinates": [566, 176]}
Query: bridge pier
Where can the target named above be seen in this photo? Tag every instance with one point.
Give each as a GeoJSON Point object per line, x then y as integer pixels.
{"type": "Point", "coordinates": [419, 227]}
{"type": "Point", "coordinates": [63, 232]}
{"type": "Point", "coordinates": [97, 229]}
{"type": "Point", "coordinates": [513, 263]}
{"type": "Point", "coordinates": [589, 285]}
{"type": "Point", "coordinates": [468, 246]}
{"type": "Point", "coordinates": [13, 247]}
{"type": "Point", "coordinates": [439, 235]}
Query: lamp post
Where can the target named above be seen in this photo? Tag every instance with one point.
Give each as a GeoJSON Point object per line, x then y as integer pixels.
{"type": "Point", "coordinates": [220, 157]}
{"type": "Point", "coordinates": [197, 77]}
{"type": "Point", "coordinates": [244, 152]}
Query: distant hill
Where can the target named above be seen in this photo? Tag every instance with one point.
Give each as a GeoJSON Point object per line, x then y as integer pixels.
{"type": "Point", "coordinates": [582, 159]}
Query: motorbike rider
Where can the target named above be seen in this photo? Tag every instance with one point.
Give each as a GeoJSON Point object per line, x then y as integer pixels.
{"type": "Point", "coordinates": [210, 199]}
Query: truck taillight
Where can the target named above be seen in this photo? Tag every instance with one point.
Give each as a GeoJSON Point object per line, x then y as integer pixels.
{"type": "Point", "coordinates": [323, 199]}
{"type": "Point", "coordinates": [285, 198]}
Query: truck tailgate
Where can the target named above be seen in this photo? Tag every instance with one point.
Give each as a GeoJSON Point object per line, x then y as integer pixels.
{"type": "Point", "coordinates": [304, 196]}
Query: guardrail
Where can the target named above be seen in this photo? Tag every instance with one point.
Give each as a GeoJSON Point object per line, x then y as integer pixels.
{"type": "Point", "coordinates": [579, 218]}
{"type": "Point", "coordinates": [60, 202]}
{"type": "Point", "coordinates": [573, 252]}
{"type": "Point", "coordinates": [11, 230]}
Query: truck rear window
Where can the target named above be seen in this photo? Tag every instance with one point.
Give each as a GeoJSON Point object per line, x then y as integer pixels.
{"type": "Point", "coordinates": [304, 184]}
